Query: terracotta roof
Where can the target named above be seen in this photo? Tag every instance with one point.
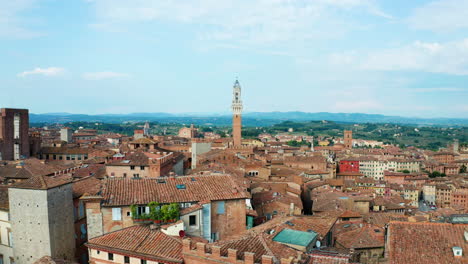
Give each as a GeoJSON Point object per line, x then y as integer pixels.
{"type": "Point", "coordinates": [191, 209]}
{"type": "Point", "coordinates": [89, 185]}
{"type": "Point", "coordinates": [122, 191]}
{"type": "Point", "coordinates": [98, 170]}
{"type": "Point", "coordinates": [143, 141]}
{"type": "Point", "coordinates": [141, 241]}
{"type": "Point", "coordinates": [25, 169]}
{"type": "Point", "coordinates": [63, 150]}
{"type": "Point", "coordinates": [260, 244]}
{"type": "Point", "coordinates": [366, 237]}
{"type": "Point", "coordinates": [418, 243]}
{"type": "Point", "coordinates": [350, 214]}
{"type": "Point", "coordinates": [261, 198]}
{"type": "Point", "coordinates": [383, 218]}
{"type": "Point", "coordinates": [43, 182]}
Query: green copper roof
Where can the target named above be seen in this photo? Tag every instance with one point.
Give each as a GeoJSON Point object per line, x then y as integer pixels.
{"type": "Point", "coordinates": [294, 237]}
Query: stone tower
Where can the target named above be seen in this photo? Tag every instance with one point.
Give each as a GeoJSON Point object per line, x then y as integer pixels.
{"type": "Point", "coordinates": [237, 114]}
{"type": "Point", "coordinates": [348, 139]}
{"type": "Point", "coordinates": [146, 129]}
{"type": "Point", "coordinates": [42, 219]}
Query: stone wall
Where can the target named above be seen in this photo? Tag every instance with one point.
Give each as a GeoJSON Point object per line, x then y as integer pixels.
{"type": "Point", "coordinates": [42, 223]}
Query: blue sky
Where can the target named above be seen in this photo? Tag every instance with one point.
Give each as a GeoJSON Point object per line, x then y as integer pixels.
{"type": "Point", "coordinates": [395, 57]}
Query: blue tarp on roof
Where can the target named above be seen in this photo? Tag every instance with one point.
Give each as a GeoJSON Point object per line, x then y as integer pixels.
{"type": "Point", "coordinates": [294, 237]}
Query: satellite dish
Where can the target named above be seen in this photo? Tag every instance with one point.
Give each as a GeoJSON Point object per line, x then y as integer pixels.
{"type": "Point", "coordinates": [182, 233]}
{"type": "Point", "coordinates": [318, 244]}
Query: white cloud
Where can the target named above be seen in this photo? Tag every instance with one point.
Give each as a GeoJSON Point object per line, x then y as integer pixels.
{"type": "Point", "coordinates": [12, 24]}
{"type": "Point", "coordinates": [245, 21]}
{"type": "Point", "coordinates": [94, 76]}
{"type": "Point", "coordinates": [448, 58]}
{"type": "Point", "coordinates": [51, 71]}
{"type": "Point", "coordinates": [441, 16]}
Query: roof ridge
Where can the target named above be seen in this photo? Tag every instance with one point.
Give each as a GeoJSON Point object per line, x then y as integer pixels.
{"type": "Point", "coordinates": [265, 245]}
{"type": "Point", "coordinates": [424, 223]}
{"type": "Point", "coordinates": [43, 181]}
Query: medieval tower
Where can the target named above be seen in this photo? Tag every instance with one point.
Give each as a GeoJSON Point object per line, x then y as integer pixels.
{"type": "Point", "coordinates": [237, 112]}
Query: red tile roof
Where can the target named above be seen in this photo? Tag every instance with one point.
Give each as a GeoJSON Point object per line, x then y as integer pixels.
{"type": "Point", "coordinates": [121, 191]}
{"type": "Point", "coordinates": [43, 182]}
{"type": "Point", "coordinates": [140, 241]}
{"type": "Point", "coordinates": [366, 237]}
{"type": "Point", "coordinates": [421, 243]}
{"type": "Point", "coordinates": [89, 185]}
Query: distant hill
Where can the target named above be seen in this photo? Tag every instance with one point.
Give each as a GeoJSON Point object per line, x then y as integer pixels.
{"type": "Point", "coordinates": [250, 119]}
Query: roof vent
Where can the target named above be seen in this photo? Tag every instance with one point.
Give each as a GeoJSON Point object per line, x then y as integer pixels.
{"type": "Point", "coordinates": [457, 251]}
{"type": "Point", "coordinates": [193, 179]}
{"type": "Point", "coordinates": [161, 181]}
{"type": "Point", "coordinates": [289, 223]}
{"type": "Point", "coordinates": [180, 186]}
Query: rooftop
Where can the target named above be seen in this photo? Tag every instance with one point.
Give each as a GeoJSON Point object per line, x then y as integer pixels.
{"type": "Point", "coordinates": [122, 191]}
{"type": "Point", "coordinates": [294, 237]}
{"type": "Point", "coordinates": [143, 241]}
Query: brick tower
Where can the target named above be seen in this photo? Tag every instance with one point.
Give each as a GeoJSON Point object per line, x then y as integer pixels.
{"type": "Point", "coordinates": [348, 139]}
{"type": "Point", "coordinates": [237, 112]}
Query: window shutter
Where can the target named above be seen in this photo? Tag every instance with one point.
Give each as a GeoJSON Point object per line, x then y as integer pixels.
{"type": "Point", "coordinates": [116, 214]}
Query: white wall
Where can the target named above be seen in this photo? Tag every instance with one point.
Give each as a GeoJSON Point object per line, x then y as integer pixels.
{"type": "Point", "coordinates": [5, 249]}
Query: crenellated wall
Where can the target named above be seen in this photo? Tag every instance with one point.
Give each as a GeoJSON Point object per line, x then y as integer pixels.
{"type": "Point", "coordinates": [201, 255]}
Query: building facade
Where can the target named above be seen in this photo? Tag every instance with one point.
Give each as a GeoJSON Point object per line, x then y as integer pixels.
{"type": "Point", "coordinates": [348, 139]}
{"type": "Point", "coordinates": [14, 134]}
{"type": "Point", "coordinates": [42, 221]}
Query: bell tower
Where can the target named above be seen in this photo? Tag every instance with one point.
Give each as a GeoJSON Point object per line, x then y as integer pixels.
{"type": "Point", "coordinates": [236, 114]}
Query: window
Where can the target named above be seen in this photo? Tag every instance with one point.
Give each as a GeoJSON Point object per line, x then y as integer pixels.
{"type": "Point", "coordinates": [142, 167]}
{"type": "Point", "coordinates": [142, 210]}
{"type": "Point", "coordinates": [126, 259]}
{"type": "Point", "coordinates": [136, 175]}
{"type": "Point", "coordinates": [125, 175]}
{"type": "Point", "coordinates": [132, 167]}
{"type": "Point", "coordinates": [1, 259]}
{"type": "Point", "coordinates": [142, 261]}
{"type": "Point", "coordinates": [81, 213]}
{"type": "Point", "coordinates": [98, 252]}
{"type": "Point", "coordinates": [220, 207]}
{"type": "Point", "coordinates": [193, 220]}
{"type": "Point", "coordinates": [110, 256]}
{"type": "Point", "coordinates": [16, 124]}
{"type": "Point", "coordinates": [10, 238]}
{"type": "Point", "coordinates": [116, 214]}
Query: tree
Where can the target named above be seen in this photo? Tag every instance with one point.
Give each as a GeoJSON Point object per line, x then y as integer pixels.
{"type": "Point", "coordinates": [435, 174]}
{"type": "Point", "coordinates": [405, 171]}
{"type": "Point", "coordinates": [463, 169]}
